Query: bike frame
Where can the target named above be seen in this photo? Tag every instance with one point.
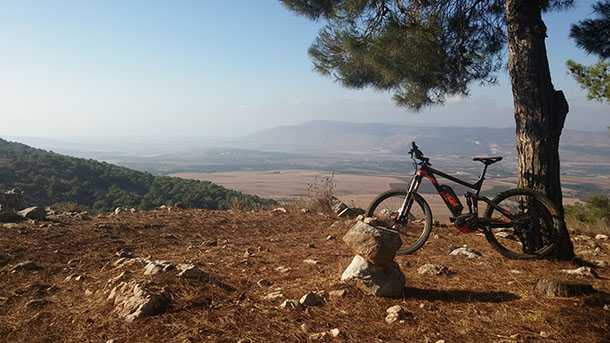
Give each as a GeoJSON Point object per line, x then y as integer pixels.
{"type": "Point", "coordinates": [424, 170]}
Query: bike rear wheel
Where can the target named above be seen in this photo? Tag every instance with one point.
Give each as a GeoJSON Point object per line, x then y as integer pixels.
{"type": "Point", "coordinates": [415, 230]}
{"type": "Point", "coordinates": [532, 224]}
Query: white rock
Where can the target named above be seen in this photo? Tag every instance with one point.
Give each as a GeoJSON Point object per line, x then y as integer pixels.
{"type": "Point", "coordinates": [310, 261]}
{"type": "Point", "coordinates": [465, 251]}
{"type": "Point", "coordinates": [433, 269]}
{"type": "Point", "coordinates": [132, 301]}
{"type": "Point", "coordinates": [386, 281]}
{"type": "Point", "coordinates": [157, 266]}
{"type": "Point", "coordinates": [601, 237]}
{"type": "Point", "coordinates": [275, 295]}
{"type": "Point", "coordinates": [335, 332]}
{"type": "Point", "coordinates": [291, 304]}
{"type": "Point", "coordinates": [394, 314]}
{"type": "Point", "coordinates": [581, 271]}
{"type": "Point", "coordinates": [192, 272]}
{"type": "Point", "coordinates": [282, 269]}
{"type": "Point", "coordinates": [279, 210]}
{"type": "Point", "coordinates": [317, 336]}
{"type": "Point", "coordinates": [312, 299]}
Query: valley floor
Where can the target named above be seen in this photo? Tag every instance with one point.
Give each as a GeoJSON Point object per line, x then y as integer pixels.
{"type": "Point", "coordinates": [490, 299]}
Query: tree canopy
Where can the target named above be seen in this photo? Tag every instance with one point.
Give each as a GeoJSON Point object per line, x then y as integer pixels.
{"type": "Point", "coordinates": [593, 36]}
{"type": "Point", "coordinates": [422, 51]}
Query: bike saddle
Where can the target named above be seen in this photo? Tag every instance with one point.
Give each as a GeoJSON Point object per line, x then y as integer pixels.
{"type": "Point", "coordinates": [488, 160]}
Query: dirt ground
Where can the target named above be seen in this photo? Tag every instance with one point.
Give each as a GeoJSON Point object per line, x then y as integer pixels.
{"type": "Point", "coordinates": [490, 299]}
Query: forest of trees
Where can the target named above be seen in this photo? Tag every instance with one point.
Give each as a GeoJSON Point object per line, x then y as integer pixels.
{"type": "Point", "coordinates": [47, 178]}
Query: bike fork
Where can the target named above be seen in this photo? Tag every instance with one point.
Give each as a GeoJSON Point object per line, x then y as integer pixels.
{"type": "Point", "coordinates": [406, 205]}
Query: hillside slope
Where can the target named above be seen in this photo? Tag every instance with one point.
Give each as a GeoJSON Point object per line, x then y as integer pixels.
{"type": "Point", "coordinates": [246, 256]}
{"type": "Point", "coordinates": [48, 178]}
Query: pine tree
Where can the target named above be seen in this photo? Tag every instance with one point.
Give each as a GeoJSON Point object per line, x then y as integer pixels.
{"type": "Point", "coordinates": [425, 51]}
{"type": "Point", "coordinates": [593, 36]}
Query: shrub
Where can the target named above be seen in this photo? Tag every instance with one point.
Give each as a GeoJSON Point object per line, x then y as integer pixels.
{"type": "Point", "coordinates": [592, 216]}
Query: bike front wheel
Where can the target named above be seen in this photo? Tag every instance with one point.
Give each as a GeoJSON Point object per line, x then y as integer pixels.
{"type": "Point", "coordinates": [524, 224]}
{"type": "Point", "coordinates": [414, 230]}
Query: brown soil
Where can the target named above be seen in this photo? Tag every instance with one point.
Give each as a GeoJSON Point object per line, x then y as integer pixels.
{"type": "Point", "coordinates": [482, 301]}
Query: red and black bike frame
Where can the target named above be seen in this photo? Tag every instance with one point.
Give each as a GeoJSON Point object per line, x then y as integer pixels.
{"type": "Point", "coordinates": [424, 170]}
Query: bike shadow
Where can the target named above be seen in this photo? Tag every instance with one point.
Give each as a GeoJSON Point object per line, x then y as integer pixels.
{"type": "Point", "coordinates": [459, 295]}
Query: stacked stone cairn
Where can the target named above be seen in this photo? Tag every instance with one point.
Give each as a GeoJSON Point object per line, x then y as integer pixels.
{"type": "Point", "coordinates": [373, 269]}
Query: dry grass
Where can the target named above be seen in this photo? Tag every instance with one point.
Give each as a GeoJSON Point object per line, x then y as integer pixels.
{"type": "Point", "coordinates": [481, 302]}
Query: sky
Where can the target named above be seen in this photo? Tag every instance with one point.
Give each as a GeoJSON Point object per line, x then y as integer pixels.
{"type": "Point", "coordinates": [145, 68]}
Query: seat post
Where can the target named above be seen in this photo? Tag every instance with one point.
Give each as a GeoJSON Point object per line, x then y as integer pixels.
{"type": "Point", "coordinates": [482, 177]}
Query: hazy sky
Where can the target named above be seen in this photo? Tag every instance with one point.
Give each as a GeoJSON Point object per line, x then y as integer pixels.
{"type": "Point", "coordinates": [210, 68]}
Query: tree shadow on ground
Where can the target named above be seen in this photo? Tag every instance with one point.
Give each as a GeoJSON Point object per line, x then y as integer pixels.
{"type": "Point", "coordinates": [459, 295]}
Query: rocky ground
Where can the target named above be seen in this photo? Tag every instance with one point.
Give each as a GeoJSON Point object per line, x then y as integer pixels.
{"type": "Point", "coordinates": [197, 275]}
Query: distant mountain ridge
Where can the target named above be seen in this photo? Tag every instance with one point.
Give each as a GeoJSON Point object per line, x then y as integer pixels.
{"type": "Point", "coordinates": [329, 136]}
{"type": "Point", "coordinates": [48, 178]}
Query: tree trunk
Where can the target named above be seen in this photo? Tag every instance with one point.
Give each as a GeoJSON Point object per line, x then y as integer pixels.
{"type": "Point", "coordinates": [540, 110]}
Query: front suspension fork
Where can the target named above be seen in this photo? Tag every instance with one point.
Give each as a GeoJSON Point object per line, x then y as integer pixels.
{"type": "Point", "coordinates": [403, 213]}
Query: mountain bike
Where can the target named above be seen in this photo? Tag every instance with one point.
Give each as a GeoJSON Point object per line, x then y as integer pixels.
{"type": "Point", "coordinates": [518, 223]}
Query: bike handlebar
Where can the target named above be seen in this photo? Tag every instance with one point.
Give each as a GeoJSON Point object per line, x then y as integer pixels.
{"type": "Point", "coordinates": [417, 154]}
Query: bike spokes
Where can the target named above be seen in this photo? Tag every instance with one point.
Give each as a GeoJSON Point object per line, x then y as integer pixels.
{"type": "Point", "coordinates": [528, 224]}
{"type": "Point", "coordinates": [410, 227]}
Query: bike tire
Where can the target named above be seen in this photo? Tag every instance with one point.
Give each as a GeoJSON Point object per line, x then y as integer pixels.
{"type": "Point", "coordinates": [427, 213]}
{"type": "Point", "coordinates": [557, 227]}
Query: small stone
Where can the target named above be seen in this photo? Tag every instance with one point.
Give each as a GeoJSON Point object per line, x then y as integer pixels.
{"type": "Point", "coordinates": [599, 263]}
{"type": "Point", "coordinates": [192, 272]}
{"type": "Point", "coordinates": [36, 213]}
{"type": "Point", "coordinates": [556, 288]}
{"type": "Point", "coordinates": [339, 293]}
{"type": "Point", "coordinates": [273, 296]}
{"type": "Point", "coordinates": [581, 271]}
{"type": "Point", "coordinates": [305, 210]}
{"type": "Point", "coordinates": [311, 261]}
{"type": "Point", "coordinates": [124, 253]}
{"type": "Point", "coordinates": [515, 271]}
{"type": "Point", "coordinates": [133, 300]}
{"type": "Point", "coordinates": [155, 267]}
{"type": "Point", "coordinates": [335, 332]}
{"type": "Point", "coordinates": [394, 314]}
{"type": "Point", "coordinates": [601, 237]}
{"type": "Point", "coordinates": [312, 299]}
{"type": "Point", "coordinates": [282, 269]}
{"type": "Point", "coordinates": [433, 269]}
{"type": "Point", "coordinates": [607, 307]}
{"type": "Point", "coordinates": [330, 237]}
{"type": "Point", "coordinates": [440, 341]}
{"type": "Point", "coordinates": [544, 334]}
{"type": "Point", "coordinates": [465, 251]}
{"type": "Point", "coordinates": [118, 211]}
{"type": "Point", "coordinates": [317, 336]}
{"type": "Point", "coordinates": [279, 210]}
{"type": "Point", "coordinates": [291, 304]}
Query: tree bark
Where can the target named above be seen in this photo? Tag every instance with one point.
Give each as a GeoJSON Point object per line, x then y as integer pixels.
{"type": "Point", "coordinates": [540, 110]}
